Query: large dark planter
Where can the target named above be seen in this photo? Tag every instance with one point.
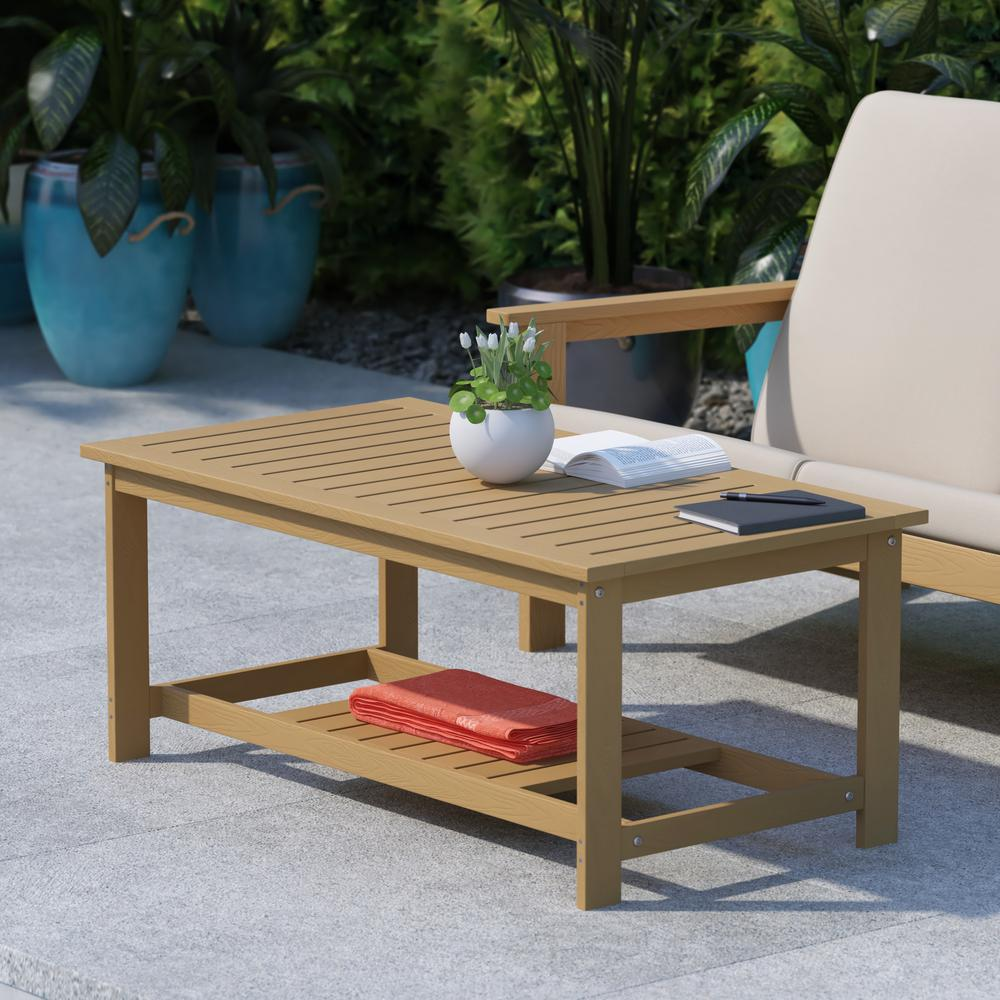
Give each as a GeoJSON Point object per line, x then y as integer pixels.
{"type": "Point", "coordinates": [654, 377]}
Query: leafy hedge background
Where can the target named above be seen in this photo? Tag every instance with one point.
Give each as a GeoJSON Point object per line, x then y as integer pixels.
{"type": "Point", "coordinates": [452, 178]}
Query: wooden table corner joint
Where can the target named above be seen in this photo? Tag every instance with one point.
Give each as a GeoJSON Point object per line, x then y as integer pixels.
{"type": "Point", "coordinates": [558, 544]}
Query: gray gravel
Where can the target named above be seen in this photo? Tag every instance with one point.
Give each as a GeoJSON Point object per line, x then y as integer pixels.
{"type": "Point", "coordinates": [420, 341]}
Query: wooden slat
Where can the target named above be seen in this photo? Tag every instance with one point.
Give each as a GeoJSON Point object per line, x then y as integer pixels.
{"type": "Point", "coordinates": [368, 760]}
{"type": "Point", "coordinates": [742, 816]}
{"type": "Point", "coordinates": [272, 679]}
{"type": "Point", "coordinates": [657, 312]}
{"type": "Point", "coordinates": [951, 568]}
{"type": "Point", "coordinates": [762, 566]}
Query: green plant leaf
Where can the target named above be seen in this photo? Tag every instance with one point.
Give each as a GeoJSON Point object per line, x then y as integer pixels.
{"type": "Point", "coordinates": [808, 53]}
{"type": "Point", "coordinates": [928, 73]}
{"type": "Point", "coordinates": [712, 162]}
{"type": "Point", "coordinates": [59, 81]}
{"type": "Point", "coordinates": [31, 23]}
{"type": "Point", "coordinates": [173, 167]}
{"type": "Point", "coordinates": [475, 414]}
{"type": "Point", "coordinates": [108, 189]}
{"type": "Point", "coordinates": [924, 35]}
{"type": "Point", "coordinates": [223, 91]}
{"type": "Point", "coordinates": [252, 140]}
{"type": "Point", "coordinates": [806, 108]}
{"type": "Point", "coordinates": [893, 21]}
{"type": "Point", "coordinates": [780, 197]}
{"type": "Point", "coordinates": [544, 369]}
{"type": "Point", "coordinates": [461, 401]}
{"type": "Point", "coordinates": [314, 143]}
{"type": "Point", "coordinates": [539, 402]}
{"type": "Point", "coordinates": [821, 23]}
{"type": "Point", "coordinates": [8, 150]}
{"type": "Point", "coordinates": [768, 258]}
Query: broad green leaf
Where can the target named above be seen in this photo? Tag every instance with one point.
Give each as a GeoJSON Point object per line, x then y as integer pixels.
{"type": "Point", "coordinates": [30, 23]}
{"type": "Point", "coordinates": [539, 402]}
{"type": "Point", "coordinates": [808, 53]}
{"type": "Point", "coordinates": [769, 258]}
{"type": "Point", "coordinates": [223, 91]}
{"type": "Point", "coordinates": [806, 108]}
{"type": "Point", "coordinates": [59, 81]}
{"type": "Point", "coordinates": [893, 21]}
{"type": "Point", "coordinates": [462, 400]}
{"type": "Point", "coordinates": [108, 189]}
{"type": "Point", "coordinates": [544, 369]}
{"type": "Point", "coordinates": [780, 197]}
{"type": "Point", "coordinates": [316, 146]}
{"type": "Point", "coordinates": [924, 35]}
{"type": "Point", "coordinates": [173, 168]}
{"type": "Point", "coordinates": [252, 140]}
{"type": "Point", "coordinates": [712, 162]}
{"type": "Point", "coordinates": [475, 414]}
{"type": "Point", "coordinates": [928, 73]}
{"type": "Point", "coordinates": [8, 150]}
{"type": "Point", "coordinates": [821, 23]}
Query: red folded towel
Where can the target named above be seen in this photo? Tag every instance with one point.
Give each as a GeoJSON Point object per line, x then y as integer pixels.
{"type": "Point", "coordinates": [472, 711]}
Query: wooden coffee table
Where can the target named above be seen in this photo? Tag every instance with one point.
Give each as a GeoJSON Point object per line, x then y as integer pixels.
{"type": "Point", "coordinates": [381, 479]}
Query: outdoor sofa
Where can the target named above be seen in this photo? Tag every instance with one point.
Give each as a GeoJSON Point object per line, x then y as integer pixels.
{"type": "Point", "coordinates": [885, 379]}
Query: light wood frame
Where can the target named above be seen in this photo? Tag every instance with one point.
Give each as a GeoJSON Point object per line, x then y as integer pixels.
{"type": "Point", "coordinates": [609, 747]}
{"type": "Point", "coordinates": [936, 565]}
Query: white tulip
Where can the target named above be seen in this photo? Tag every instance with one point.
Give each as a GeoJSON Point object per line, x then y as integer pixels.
{"type": "Point", "coordinates": [514, 329]}
{"type": "Point", "coordinates": [492, 342]}
{"type": "Point", "coordinates": [481, 342]}
{"type": "Point", "coordinates": [529, 345]}
{"type": "Point", "coordinates": [465, 340]}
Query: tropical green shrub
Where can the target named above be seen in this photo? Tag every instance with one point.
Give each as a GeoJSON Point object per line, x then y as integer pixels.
{"type": "Point", "coordinates": [246, 98]}
{"type": "Point", "coordinates": [841, 52]}
{"type": "Point", "coordinates": [112, 83]}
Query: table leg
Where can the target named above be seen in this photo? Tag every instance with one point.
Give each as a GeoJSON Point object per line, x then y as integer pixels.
{"type": "Point", "coordinates": [542, 624]}
{"type": "Point", "coordinates": [128, 623]}
{"type": "Point", "coordinates": [397, 607]}
{"type": "Point", "coordinates": [878, 690]}
{"type": "Point", "coordinates": [599, 746]}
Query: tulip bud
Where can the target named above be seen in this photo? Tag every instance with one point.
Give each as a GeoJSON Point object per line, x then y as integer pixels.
{"type": "Point", "coordinates": [529, 345]}
{"type": "Point", "coordinates": [465, 340]}
{"type": "Point", "coordinates": [514, 329]}
{"type": "Point", "coordinates": [481, 342]}
{"type": "Point", "coordinates": [492, 342]}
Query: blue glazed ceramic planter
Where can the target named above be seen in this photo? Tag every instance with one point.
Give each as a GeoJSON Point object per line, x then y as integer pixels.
{"type": "Point", "coordinates": [15, 300]}
{"type": "Point", "coordinates": [107, 321]}
{"type": "Point", "coordinates": [253, 267]}
{"type": "Point", "coordinates": [758, 357]}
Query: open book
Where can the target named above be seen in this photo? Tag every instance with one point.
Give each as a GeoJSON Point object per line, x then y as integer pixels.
{"type": "Point", "coordinates": [621, 459]}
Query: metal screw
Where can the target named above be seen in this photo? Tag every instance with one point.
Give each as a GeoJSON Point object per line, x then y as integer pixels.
{"type": "Point", "coordinates": [637, 841]}
{"type": "Point", "coordinates": [599, 592]}
{"type": "Point", "coordinates": [892, 539]}
{"type": "Point", "coordinates": [849, 796]}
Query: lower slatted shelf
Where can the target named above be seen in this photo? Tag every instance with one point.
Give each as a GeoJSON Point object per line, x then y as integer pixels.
{"type": "Point", "coordinates": [645, 749]}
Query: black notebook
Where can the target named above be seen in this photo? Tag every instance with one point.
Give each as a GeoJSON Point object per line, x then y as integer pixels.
{"type": "Point", "coordinates": [744, 517]}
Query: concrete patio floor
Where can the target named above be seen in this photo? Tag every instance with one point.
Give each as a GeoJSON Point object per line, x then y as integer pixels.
{"type": "Point", "coordinates": [218, 870]}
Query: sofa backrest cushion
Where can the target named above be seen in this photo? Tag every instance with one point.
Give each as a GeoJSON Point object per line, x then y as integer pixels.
{"type": "Point", "coordinates": [889, 356]}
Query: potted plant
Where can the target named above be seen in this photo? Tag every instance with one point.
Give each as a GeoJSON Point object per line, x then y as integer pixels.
{"type": "Point", "coordinates": [107, 277]}
{"type": "Point", "coordinates": [28, 26]}
{"type": "Point", "coordinates": [895, 45]}
{"type": "Point", "coordinates": [501, 426]}
{"type": "Point", "coordinates": [264, 169]}
{"type": "Point", "coordinates": [589, 65]}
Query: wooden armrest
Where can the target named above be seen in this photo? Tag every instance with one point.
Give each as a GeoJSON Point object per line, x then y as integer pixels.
{"type": "Point", "coordinates": [656, 312]}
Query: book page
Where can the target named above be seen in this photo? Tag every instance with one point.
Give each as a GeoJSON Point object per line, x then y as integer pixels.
{"type": "Point", "coordinates": [567, 448]}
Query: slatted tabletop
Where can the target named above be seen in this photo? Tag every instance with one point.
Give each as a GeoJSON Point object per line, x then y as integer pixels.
{"type": "Point", "coordinates": [388, 466]}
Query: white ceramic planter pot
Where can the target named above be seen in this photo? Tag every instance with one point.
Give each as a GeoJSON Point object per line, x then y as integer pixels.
{"type": "Point", "coordinates": [508, 446]}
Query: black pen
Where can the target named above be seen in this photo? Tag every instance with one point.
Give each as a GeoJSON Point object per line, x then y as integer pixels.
{"type": "Point", "coordinates": [771, 498]}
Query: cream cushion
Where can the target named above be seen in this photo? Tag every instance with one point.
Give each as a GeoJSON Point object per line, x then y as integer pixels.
{"type": "Point", "coordinates": [889, 357]}
{"type": "Point", "coordinates": [962, 517]}
{"type": "Point", "coordinates": [743, 454]}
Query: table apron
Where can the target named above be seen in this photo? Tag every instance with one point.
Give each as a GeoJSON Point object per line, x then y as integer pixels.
{"type": "Point", "coordinates": [369, 541]}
